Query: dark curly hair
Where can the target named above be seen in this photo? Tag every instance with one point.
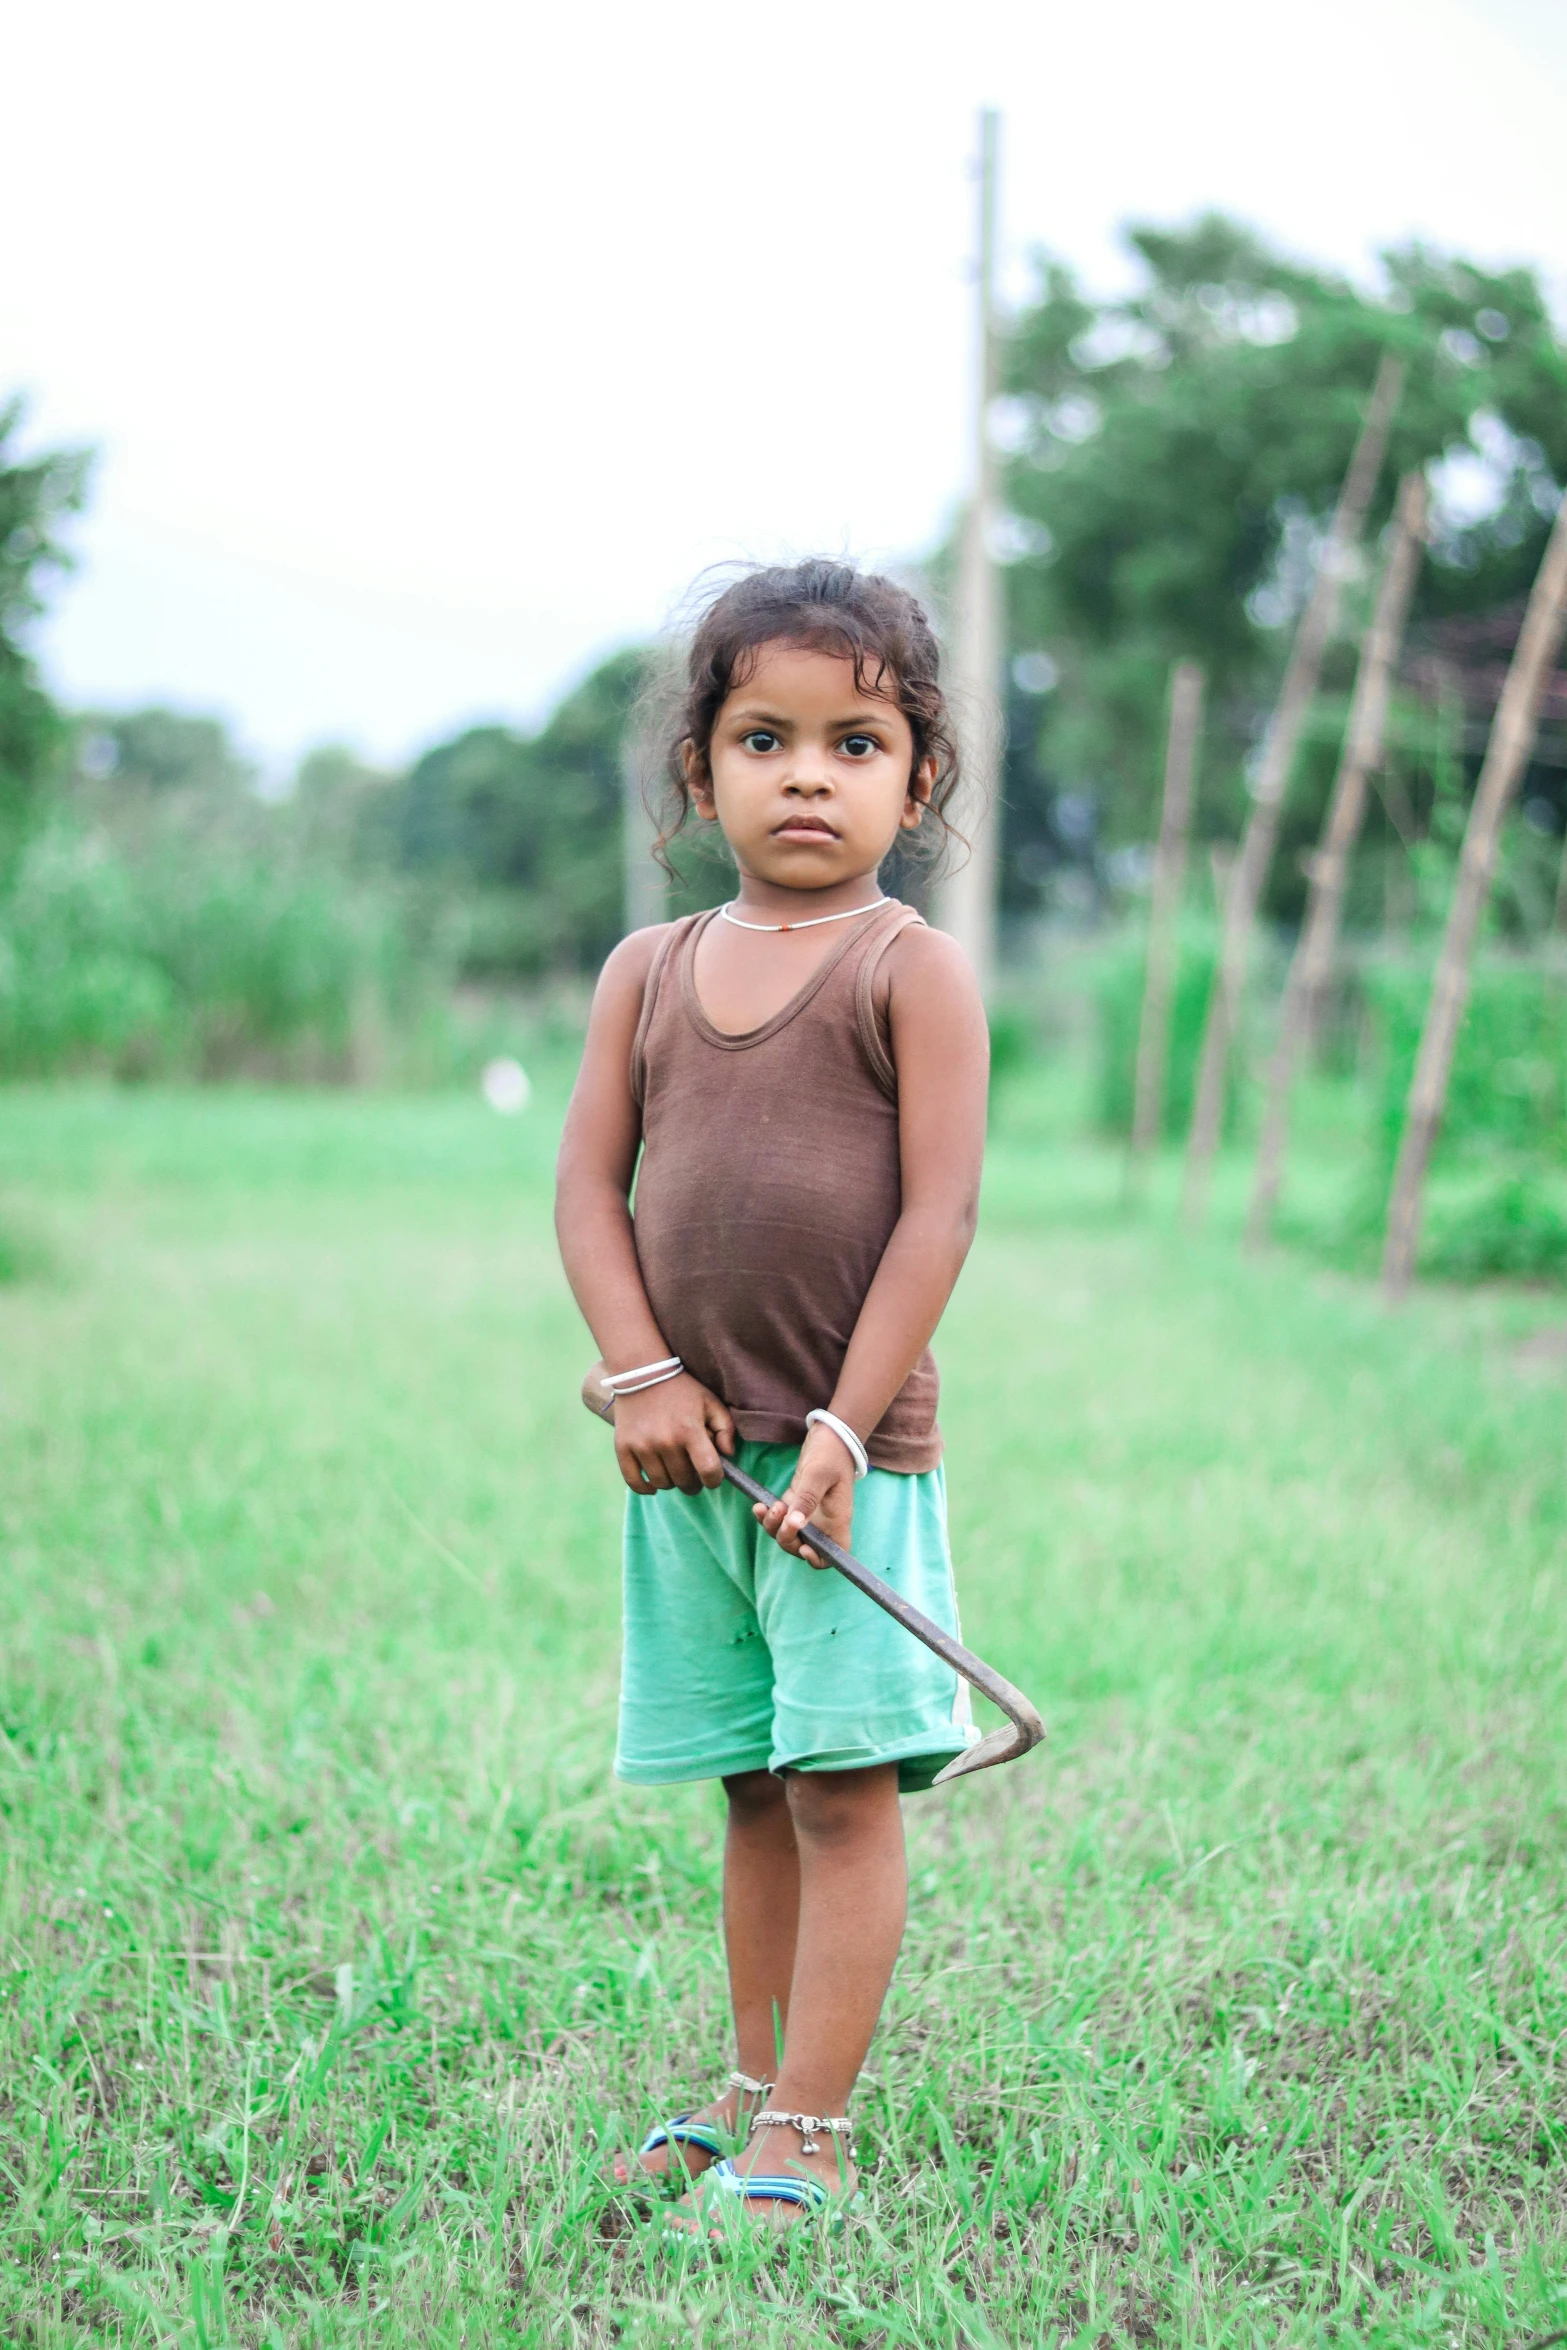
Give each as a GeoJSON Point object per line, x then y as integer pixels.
{"type": "Point", "coordinates": [830, 607]}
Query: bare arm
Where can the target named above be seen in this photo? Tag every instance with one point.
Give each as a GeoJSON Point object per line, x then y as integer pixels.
{"type": "Point", "coordinates": [941, 1050]}
{"type": "Point", "coordinates": [668, 1434]}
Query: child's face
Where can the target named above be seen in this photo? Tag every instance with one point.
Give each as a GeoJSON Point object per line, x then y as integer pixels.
{"type": "Point", "coordinates": [810, 774]}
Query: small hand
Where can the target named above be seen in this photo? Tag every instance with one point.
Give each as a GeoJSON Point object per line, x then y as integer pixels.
{"type": "Point", "coordinates": [821, 1492]}
{"type": "Point", "coordinates": [672, 1434]}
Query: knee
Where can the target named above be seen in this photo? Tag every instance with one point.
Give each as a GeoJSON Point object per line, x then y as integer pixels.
{"type": "Point", "coordinates": [756, 1796]}
{"type": "Point", "coordinates": [841, 1807]}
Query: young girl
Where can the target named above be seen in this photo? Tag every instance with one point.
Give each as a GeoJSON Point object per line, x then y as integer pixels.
{"type": "Point", "coordinates": [797, 1083]}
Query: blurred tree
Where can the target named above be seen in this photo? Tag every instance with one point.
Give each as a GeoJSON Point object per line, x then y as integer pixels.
{"type": "Point", "coordinates": [37, 494]}
{"type": "Point", "coordinates": [529, 827]}
{"type": "Point", "coordinates": [1174, 456]}
{"type": "Point", "coordinates": [341, 811]}
{"type": "Point", "coordinates": [160, 752]}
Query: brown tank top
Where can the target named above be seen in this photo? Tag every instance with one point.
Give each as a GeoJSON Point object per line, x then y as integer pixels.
{"type": "Point", "coordinates": [768, 1188]}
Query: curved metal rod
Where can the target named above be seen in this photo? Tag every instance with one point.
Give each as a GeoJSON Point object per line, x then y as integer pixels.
{"type": "Point", "coordinates": [1024, 1728]}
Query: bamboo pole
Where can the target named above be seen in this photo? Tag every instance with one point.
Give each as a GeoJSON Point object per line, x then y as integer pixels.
{"type": "Point", "coordinates": [1312, 963]}
{"type": "Point", "coordinates": [1278, 757]}
{"type": "Point", "coordinates": [1221, 865]}
{"type": "Point", "coordinates": [1169, 877]}
{"type": "Point", "coordinates": [1506, 758]}
{"type": "Point", "coordinates": [964, 901]}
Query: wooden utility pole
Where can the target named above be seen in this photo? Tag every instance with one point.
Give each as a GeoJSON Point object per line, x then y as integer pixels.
{"type": "Point", "coordinates": [1506, 757]}
{"type": "Point", "coordinates": [1169, 878]}
{"type": "Point", "coordinates": [1272, 779]}
{"type": "Point", "coordinates": [964, 901]}
{"type": "Point", "coordinates": [1312, 963]}
{"type": "Point", "coordinates": [643, 885]}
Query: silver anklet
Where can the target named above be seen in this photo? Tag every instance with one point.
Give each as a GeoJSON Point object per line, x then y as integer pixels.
{"type": "Point", "coordinates": [839, 2126]}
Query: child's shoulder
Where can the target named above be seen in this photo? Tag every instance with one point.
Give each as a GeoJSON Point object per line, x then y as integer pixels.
{"type": "Point", "coordinates": [919, 947]}
{"type": "Point", "coordinates": [628, 965]}
{"type": "Point", "coordinates": [922, 962]}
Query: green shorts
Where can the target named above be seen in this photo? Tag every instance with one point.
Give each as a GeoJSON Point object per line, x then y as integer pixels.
{"type": "Point", "coordinates": [739, 1657]}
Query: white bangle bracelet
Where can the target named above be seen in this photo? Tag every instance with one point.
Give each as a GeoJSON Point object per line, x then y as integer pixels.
{"type": "Point", "coordinates": [657, 1380]}
{"type": "Point", "coordinates": [645, 1375]}
{"type": "Point", "coordinates": [846, 1435]}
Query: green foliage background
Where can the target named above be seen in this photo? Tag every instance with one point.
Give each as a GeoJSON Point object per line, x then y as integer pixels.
{"type": "Point", "coordinates": [1174, 453]}
{"type": "Point", "coordinates": [38, 495]}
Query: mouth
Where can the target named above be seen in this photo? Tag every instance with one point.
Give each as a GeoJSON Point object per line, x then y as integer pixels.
{"type": "Point", "coordinates": [803, 828]}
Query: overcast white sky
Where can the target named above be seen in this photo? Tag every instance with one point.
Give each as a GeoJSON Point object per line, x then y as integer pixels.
{"type": "Point", "coordinates": [431, 351]}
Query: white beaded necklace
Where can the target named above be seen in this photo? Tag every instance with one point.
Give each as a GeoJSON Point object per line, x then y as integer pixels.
{"type": "Point", "coordinates": [810, 923]}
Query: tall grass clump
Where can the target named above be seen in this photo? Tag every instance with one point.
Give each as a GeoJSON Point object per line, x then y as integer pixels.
{"type": "Point", "coordinates": [1498, 1205]}
{"type": "Point", "coordinates": [198, 962]}
{"type": "Point", "coordinates": [1118, 998]}
{"type": "Point", "coordinates": [1508, 1089]}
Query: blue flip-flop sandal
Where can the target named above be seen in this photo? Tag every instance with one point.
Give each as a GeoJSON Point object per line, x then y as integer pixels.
{"type": "Point", "coordinates": [682, 2130]}
{"type": "Point", "coordinates": [738, 2188]}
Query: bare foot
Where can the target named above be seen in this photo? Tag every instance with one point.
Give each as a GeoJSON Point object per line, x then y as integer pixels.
{"type": "Point", "coordinates": [776, 2152]}
{"type": "Point", "coordinates": [727, 2115]}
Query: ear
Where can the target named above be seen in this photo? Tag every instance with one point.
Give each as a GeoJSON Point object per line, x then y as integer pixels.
{"type": "Point", "coordinates": [699, 782]}
{"type": "Point", "coordinates": [921, 784]}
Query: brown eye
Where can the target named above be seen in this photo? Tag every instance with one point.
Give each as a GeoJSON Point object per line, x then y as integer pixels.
{"type": "Point", "coordinates": [760, 738]}
{"type": "Point", "coordinates": [860, 746]}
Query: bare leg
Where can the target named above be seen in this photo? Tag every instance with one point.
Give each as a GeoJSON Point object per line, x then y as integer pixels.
{"type": "Point", "coordinates": [761, 1913]}
{"type": "Point", "coordinates": [761, 1922]}
{"type": "Point", "coordinates": [853, 1898]}
{"type": "Point", "coordinates": [853, 1888]}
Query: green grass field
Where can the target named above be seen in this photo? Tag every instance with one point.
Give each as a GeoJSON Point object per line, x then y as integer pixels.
{"type": "Point", "coordinates": [332, 1961]}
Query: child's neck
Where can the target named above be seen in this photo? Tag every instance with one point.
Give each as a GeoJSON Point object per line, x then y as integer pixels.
{"type": "Point", "coordinates": [748, 969]}
{"type": "Point", "coordinates": [775, 901]}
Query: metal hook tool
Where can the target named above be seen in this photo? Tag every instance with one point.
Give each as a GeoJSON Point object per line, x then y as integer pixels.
{"type": "Point", "coordinates": [1023, 1730]}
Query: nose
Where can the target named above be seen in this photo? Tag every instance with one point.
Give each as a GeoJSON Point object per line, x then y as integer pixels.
{"type": "Point", "coordinates": [808, 776]}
